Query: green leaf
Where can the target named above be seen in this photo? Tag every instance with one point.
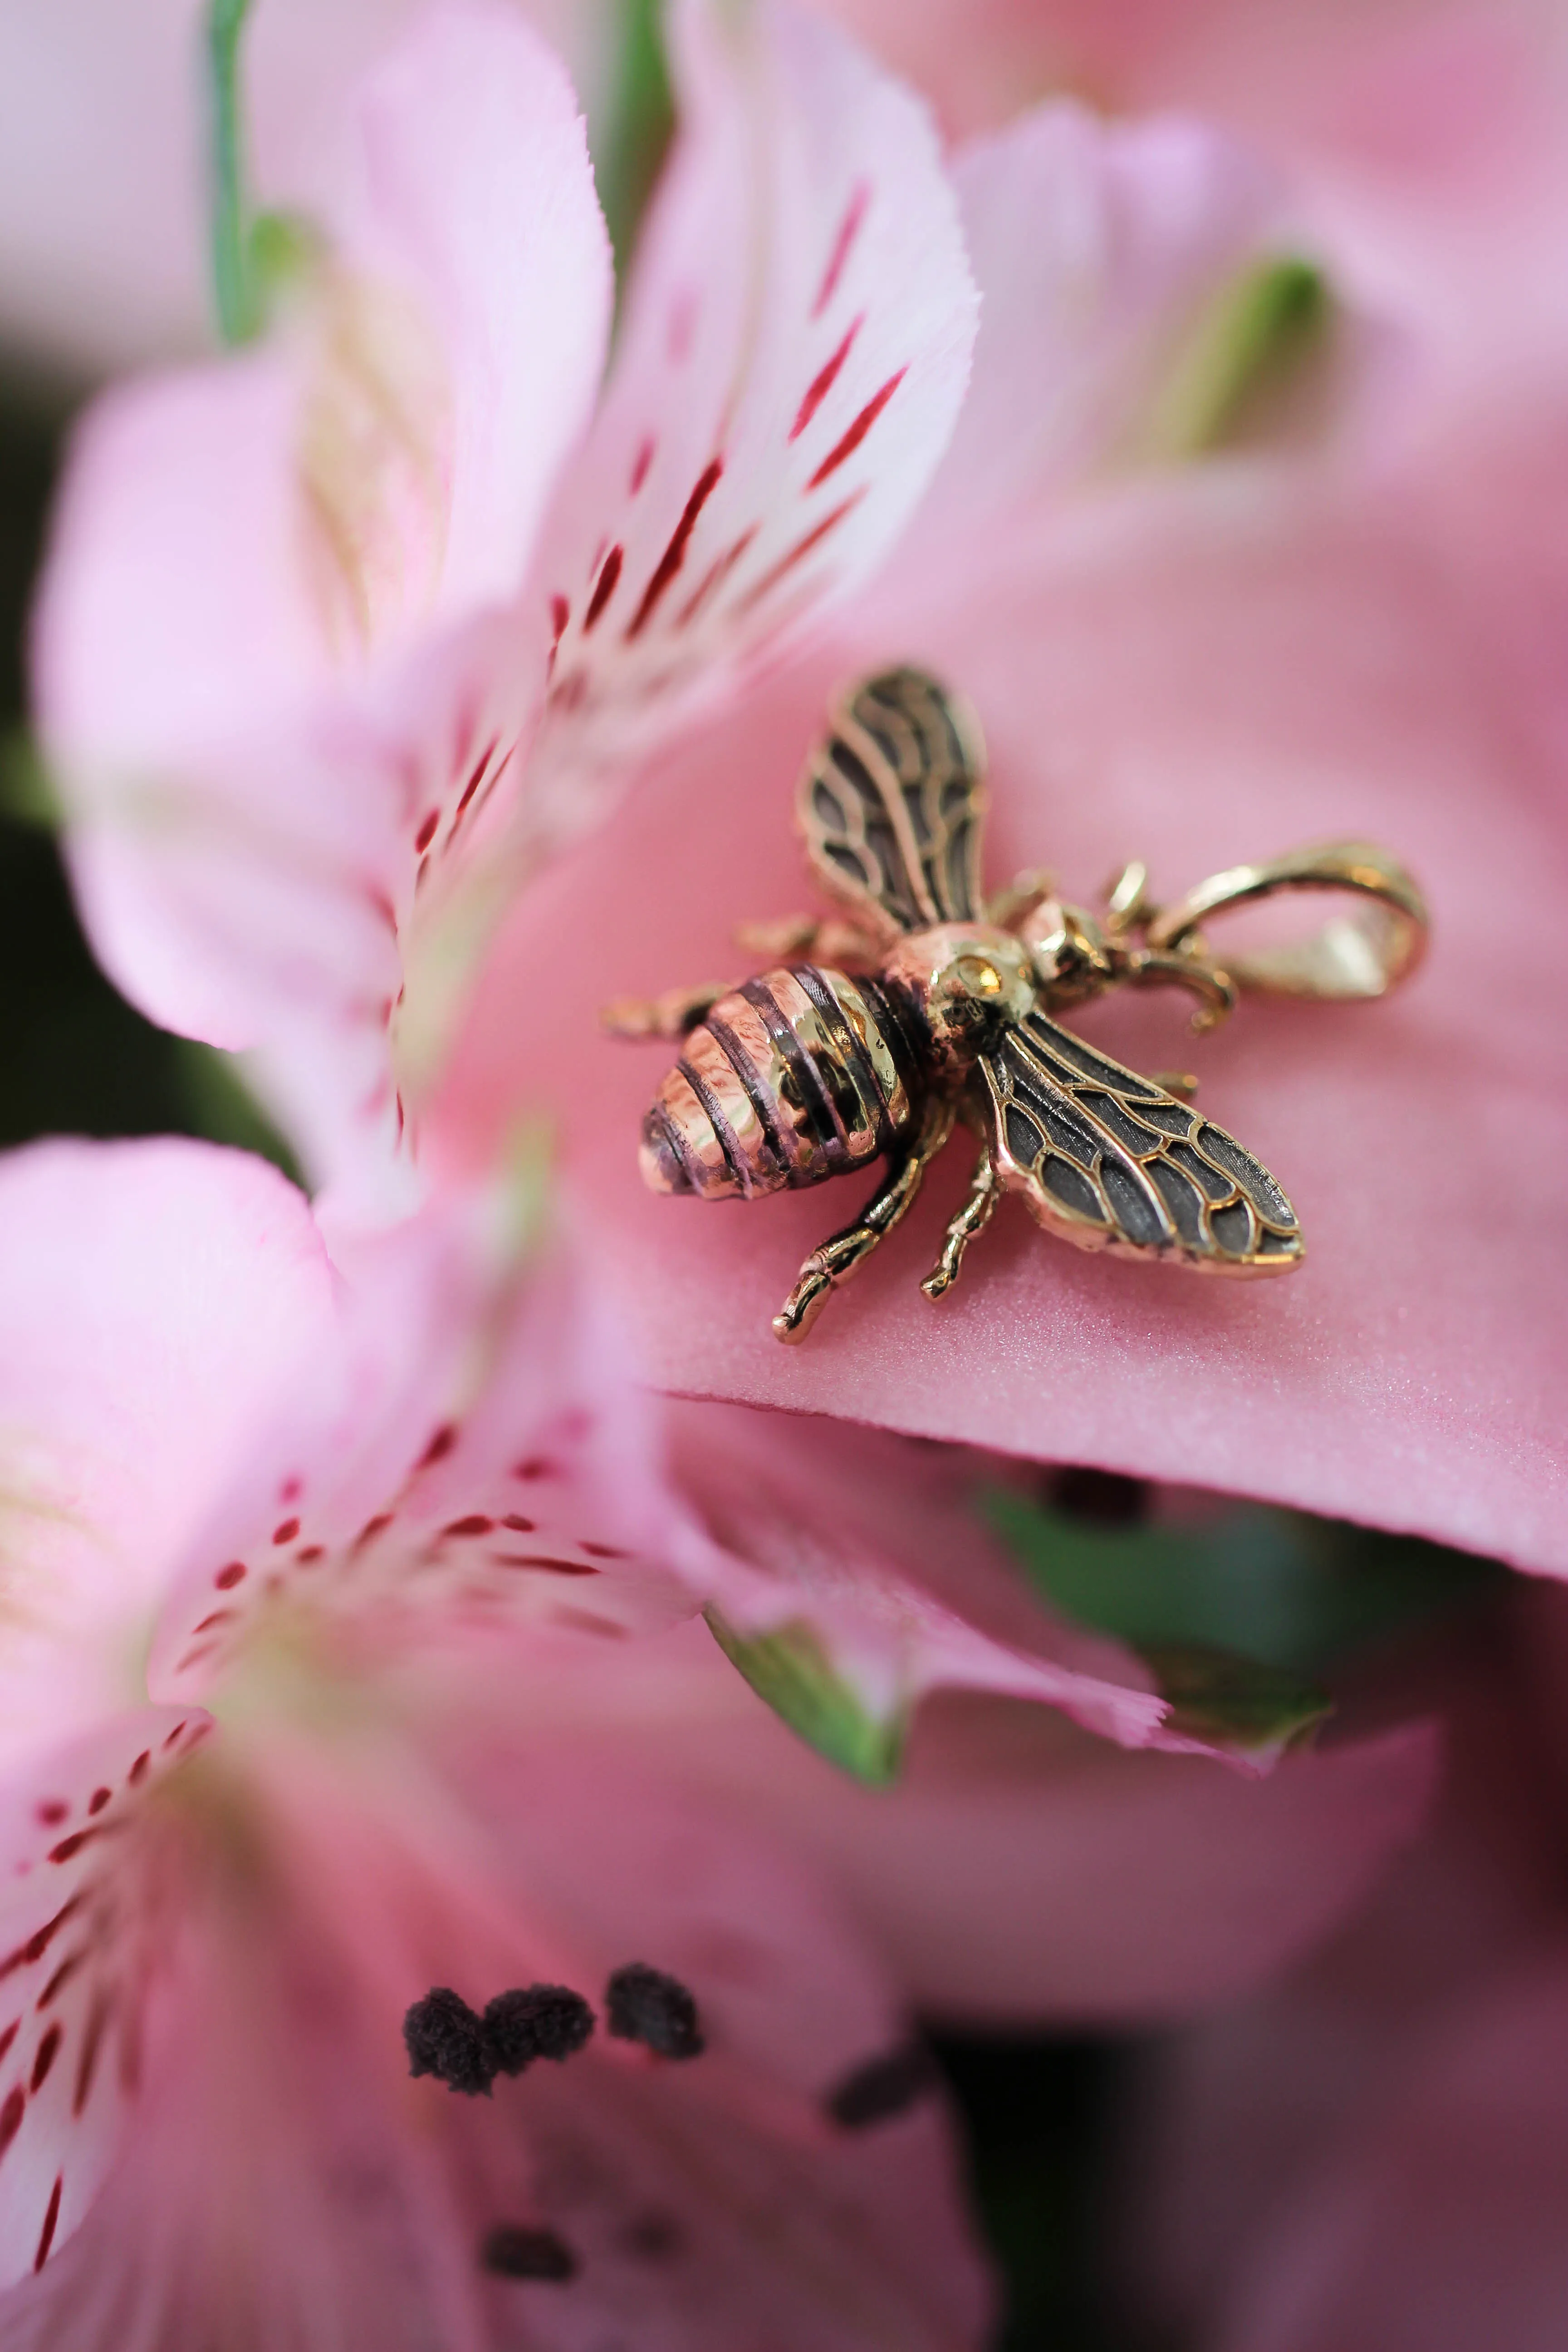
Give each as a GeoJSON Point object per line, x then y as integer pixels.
{"type": "Point", "coordinates": [1233, 1703]}
{"type": "Point", "coordinates": [789, 1668]}
{"type": "Point", "coordinates": [639, 119]}
{"type": "Point", "coordinates": [1271, 1585]}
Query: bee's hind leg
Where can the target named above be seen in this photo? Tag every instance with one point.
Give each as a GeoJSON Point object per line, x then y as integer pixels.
{"type": "Point", "coordinates": [979, 1208]}
{"type": "Point", "coordinates": [834, 1260]}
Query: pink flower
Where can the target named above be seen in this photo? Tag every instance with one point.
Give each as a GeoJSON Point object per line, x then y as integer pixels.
{"type": "Point", "coordinates": [1372, 2153]}
{"type": "Point", "coordinates": [287, 1561]}
{"type": "Point", "coordinates": [339, 637]}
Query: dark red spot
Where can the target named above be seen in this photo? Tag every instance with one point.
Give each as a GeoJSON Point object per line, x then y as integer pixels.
{"type": "Point", "coordinates": [715, 575]}
{"type": "Point", "coordinates": [440, 1445]}
{"type": "Point", "coordinates": [849, 229]}
{"type": "Point", "coordinates": [822, 383]}
{"type": "Point", "coordinates": [476, 777]}
{"type": "Point", "coordinates": [640, 465]}
{"type": "Point", "coordinates": [46, 2235]}
{"type": "Point", "coordinates": [518, 1524]}
{"type": "Point", "coordinates": [602, 1551]}
{"type": "Point", "coordinates": [370, 1529]}
{"type": "Point", "coordinates": [857, 431]}
{"type": "Point", "coordinates": [536, 1466]}
{"type": "Point", "coordinates": [11, 2117]}
{"type": "Point", "coordinates": [138, 1771]}
{"type": "Point", "coordinates": [476, 1524]}
{"type": "Point", "coordinates": [604, 587]}
{"type": "Point", "coordinates": [71, 1845]}
{"type": "Point", "coordinates": [52, 1811]}
{"type": "Point", "coordinates": [38, 1942]}
{"type": "Point", "coordinates": [9, 2035]}
{"type": "Point", "coordinates": [579, 1622]}
{"type": "Point", "coordinates": [62, 1977]}
{"type": "Point", "coordinates": [798, 552]}
{"type": "Point", "coordinates": [426, 833]}
{"type": "Point", "coordinates": [45, 2056]}
{"type": "Point", "coordinates": [86, 2064]}
{"type": "Point", "coordinates": [214, 1617]}
{"type": "Point", "coordinates": [286, 1531]}
{"type": "Point", "coordinates": [420, 871]}
{"type": "Point", "coordinates": [290, 1490]}
{"type": "Point", "coordinates": [560, 614]}
{"type": "Point", "coordinates": [227, 1577]}
{"type": "Point", "coordinates": [534, 1559]}
{"type": "Point", "coordinates": [168, 1743]}
{"type": "Point", "coordinates": [306, 1557]}
{"type": "Point", "coordinates": [99, 1797]}
{"type": "Point", "coordinates": [674, 555]}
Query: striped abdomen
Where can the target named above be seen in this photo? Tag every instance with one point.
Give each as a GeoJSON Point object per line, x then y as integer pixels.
{"type": "Point", "coordinates": [801, 1075]}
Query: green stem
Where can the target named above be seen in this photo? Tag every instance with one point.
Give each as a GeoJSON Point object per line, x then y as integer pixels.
{"type": "Point", "coordinates": [232, 287]}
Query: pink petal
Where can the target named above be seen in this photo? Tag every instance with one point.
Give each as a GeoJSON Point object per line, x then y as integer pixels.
{"type": "Point", "coordinates": [77, 1945]}
{"type": "Point", "coordinates": [287, 2176]}
{"type": "Point", "coordinates": [471, 189]}
{"type": "Point", "coordinates": [795, 350]}
{"type": "Point", "coordinates": [1096, 246]}
{"type": "Point", "coordinates": [155, 1296]}
{"type": "Point", "coordinates": [1020, 1869]}
{"type": "Point", "coordinates": [1193, 678]}
{"type": "Point", "coordinates": [469, 1446]}
{"type": "Point", "coordinates": [877, 1546]}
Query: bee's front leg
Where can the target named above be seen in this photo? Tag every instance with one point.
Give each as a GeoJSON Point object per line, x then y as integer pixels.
{"type": "Point", "coordinates": [673, 1016]}
{"type": "Point", "coordinates": [979, 1208]}
{"type": "Point", "coordinates": [834, 1260]}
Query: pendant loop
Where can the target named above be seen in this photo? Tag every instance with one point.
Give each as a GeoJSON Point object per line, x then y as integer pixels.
{"type": "Point", "coordinates": [1359, 954]}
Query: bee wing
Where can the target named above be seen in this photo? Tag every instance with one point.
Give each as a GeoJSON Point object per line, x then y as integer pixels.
{"type": "Point", "coordinates": [1110, 1160]}
{"type": "Point", "coordinates": [891, 804]}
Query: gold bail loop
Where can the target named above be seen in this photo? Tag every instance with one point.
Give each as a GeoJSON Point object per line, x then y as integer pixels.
{"type": "Point", "coordinates": [1359, 954]}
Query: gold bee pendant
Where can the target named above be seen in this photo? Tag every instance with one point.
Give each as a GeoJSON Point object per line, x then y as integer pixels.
{"type": "Point", "coordinates": [933, 1007]}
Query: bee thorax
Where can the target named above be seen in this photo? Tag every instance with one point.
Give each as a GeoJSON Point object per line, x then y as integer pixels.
{"type": "Point", "coordinates": [801, 1075]}
{"type": "Point", "coordinates": [959, 984]}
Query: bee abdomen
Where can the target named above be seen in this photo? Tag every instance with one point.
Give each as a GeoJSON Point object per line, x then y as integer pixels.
{"type": "Point", "coordinates": [798, 1076]}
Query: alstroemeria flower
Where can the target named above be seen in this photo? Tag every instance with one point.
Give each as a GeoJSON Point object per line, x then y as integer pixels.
{"type": "Point", "coordinates": [1194, 666]}
{"type": "Point", "coordinates": [282, 1555]}
{"type": "Point", "coordinates": [339, 634]}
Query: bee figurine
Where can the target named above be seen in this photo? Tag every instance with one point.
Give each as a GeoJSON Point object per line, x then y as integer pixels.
{"type": "Point", "coordinates": [933, 1005]}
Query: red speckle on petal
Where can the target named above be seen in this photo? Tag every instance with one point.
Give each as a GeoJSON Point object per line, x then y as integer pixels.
{"type": "Point", "coordinates": [849, 229]}
{"type": "Point", "coordinates": [476, 1524]}
{"type": "Point", "coordinates": [290, 1490]}
{"type": "Point", "coordinates": [306, 1557]}
{"type": "Point", "coordinates": [72, 1846]}
{"type": "Point", "coordinates": [798, 552]}
{"type": "Point", "coordinates": [674, 555]}
{"type": "Point", "coordinates": [45, 2056]}
{"type": "Point", "coordinates": [9, 2035]}
{"type": "Point", "coordinates": [640, 465]}
{"type": "Point", "coordinates": [11, 2117]}
{"type": "Point", "coordinates": [440, 1445]}
{"type": "Point", "coordinates": [87, 2066]}
{"type": "Point", "coordinates": [822, 383]}
{"type": "Point", "coordinates": [426, 833]}
{"type": "Point", "coordinates": [38, 1942]}
{"type": "Point", "coordinates": [857, 431]}
{"type": "Point", "coordinates": [168, 1743]}
{"type": "Point", "coordinates": [62, 1976]}
{"type": "Point", "coordinates": [604, 587]}
{"type": "Point", "coordinates": [227, 1577]}
{"type": "Point", "coordinates": [476, 778]}
{"type": "Point", "coordinates": [216, 1617]}
{"type": "Point", "coordinates": [714, 577]}
{"type": "Point", "coordinates": [536, 1560]}
{"type": "Point", "coordinates": [99, 1797]}
{"type": "Point", "coordinates": [286, 1532]}
{"type": "Point", "coordinates": [138, 1771]}
{"type": "Point", "coordinates": [46, 2235]}
{"type": "Point", "coordinates": [602, 1551]}
{"type": "Point", "coordinates": [370, 1529]}
{"type": "Point", "coordinates": [518, 1524]}
{"type": "Point", "coordinates": [52, 1811]}
{"type": "Point", "coordinates": [536, 1466]}
{"type": "Point", "coordinates": [560, 614]}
